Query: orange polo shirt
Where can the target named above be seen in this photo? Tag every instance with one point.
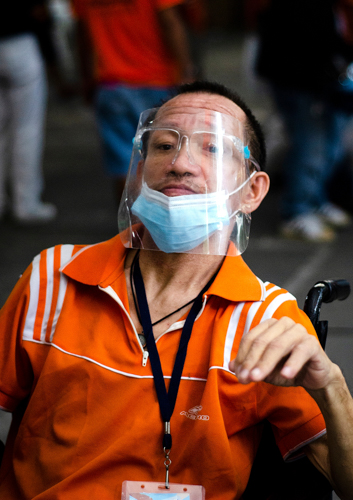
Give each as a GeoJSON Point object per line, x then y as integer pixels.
{"type": "Point", "coordinates": [128, 41]}
{"type": "Point", "coordinates": [85, 407]}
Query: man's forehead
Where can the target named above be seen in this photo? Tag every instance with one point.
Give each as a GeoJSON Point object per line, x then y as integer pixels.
{"type": "Point", "coordinates": [201, 102]}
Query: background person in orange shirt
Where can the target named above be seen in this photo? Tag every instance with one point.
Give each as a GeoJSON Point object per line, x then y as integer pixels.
{"type": "Point", "coordinates": [132, 53]}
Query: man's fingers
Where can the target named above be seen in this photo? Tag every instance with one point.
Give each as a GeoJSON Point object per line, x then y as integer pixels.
{"type": "Point", "coordinates": [289, 351]}
{"type": "Point", "coordinates": [263, 350]}
{"type": "Point", "coordinates": [299, 356]}
{"type": "Point", "coordinates": [254, 335]}
{"type": "Point", "coordinates": [254, 343]}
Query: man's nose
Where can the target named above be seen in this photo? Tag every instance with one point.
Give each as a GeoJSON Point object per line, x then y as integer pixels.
{"type": "Point", "coordinates": [183, 161]}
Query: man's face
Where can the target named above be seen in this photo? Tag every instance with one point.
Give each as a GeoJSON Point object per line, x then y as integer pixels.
{"type": "Point", "coordinates": [175, 153]}
{"type": "Point", "coordinates": [195, 149]}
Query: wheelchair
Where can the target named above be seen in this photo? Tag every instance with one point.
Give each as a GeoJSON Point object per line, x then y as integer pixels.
{"type": "Point", "coordinates": [271, 478]}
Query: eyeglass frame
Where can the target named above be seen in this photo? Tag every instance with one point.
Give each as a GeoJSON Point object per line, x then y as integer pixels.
{"type": "Point", "coordinates": [236, 140]}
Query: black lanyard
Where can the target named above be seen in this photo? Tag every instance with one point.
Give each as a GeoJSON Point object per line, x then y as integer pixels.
{"type": "Point", "coordinates": [166, 399]}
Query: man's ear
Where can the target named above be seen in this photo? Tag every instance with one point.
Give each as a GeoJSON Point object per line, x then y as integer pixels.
{"type": "Point", "coordinates": [260, 184]}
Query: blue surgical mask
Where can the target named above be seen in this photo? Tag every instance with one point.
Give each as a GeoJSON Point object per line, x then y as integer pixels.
{"type": "Point", "coordinates": [181, 223]}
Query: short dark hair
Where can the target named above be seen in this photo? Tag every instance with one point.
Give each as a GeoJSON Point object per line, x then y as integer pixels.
{"type": "Point", "coordinates": [257, 144]}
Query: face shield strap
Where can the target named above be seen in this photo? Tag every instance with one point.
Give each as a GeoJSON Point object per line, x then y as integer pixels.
{"type": "Point", "coordinates": [242, 185]}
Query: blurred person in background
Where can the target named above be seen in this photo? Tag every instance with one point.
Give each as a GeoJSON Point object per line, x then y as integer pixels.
{"type": "Point", "coordinates": [50, 33]}
{"type": "Point", "coordinates": [63, 39]}
{"type": "Point", "coordinates": [132, 54]}
{"type": "Point", "coordinates": [23, 92]}
{"type": "Point", "coordinates": [303, 50]}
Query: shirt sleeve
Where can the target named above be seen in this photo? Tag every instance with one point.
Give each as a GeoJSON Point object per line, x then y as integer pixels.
{"type": "Point", "coordinates": [16, 375]}
{"type": "Point", "coordinates": [294, 415]}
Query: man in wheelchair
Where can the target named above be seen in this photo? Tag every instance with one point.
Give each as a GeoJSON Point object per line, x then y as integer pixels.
{"type": "Point", "coordinates": [112, 397]}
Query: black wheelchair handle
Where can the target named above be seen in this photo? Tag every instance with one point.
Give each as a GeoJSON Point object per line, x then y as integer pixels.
{"type": "Point", "coordinates": [334, 290]}
{"type": "Point", "coordinates": [324, 291]}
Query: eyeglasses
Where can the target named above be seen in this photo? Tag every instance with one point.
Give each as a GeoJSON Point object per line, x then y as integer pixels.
{"type": "Point", "coordinates": [202, 146]}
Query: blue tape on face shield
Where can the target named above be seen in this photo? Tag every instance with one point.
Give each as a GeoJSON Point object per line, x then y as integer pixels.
{"type": "Point", "coordinates": [181, 223]}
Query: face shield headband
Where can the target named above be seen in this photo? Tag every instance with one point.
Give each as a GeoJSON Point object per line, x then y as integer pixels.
{"type": "Point", "coordinates": [187, 184]}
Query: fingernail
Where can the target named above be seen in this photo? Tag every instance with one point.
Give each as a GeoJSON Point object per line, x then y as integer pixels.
{"type": "Point", "coordinates": [256, 373]}
{"type": "Point", "coordinates": [244, 374]}
{"type": "Point", "coordinates": [287, 371]}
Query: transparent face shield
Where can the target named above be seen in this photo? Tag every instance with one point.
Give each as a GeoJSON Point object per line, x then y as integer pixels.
{"type": "Point", "coordinates": [188, 183]}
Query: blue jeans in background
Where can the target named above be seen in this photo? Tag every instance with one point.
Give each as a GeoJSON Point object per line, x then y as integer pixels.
{"type": "Point", "coordinates": [315, 132]}
{"type": "Point", "coordinates": [118, 108]}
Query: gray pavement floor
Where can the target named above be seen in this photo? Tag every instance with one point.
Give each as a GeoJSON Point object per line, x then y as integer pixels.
{"type": "Point", "coordinates": [87, 212]}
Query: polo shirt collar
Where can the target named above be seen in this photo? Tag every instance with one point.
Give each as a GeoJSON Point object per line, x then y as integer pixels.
{"type": "Point", "coordinates": [103, 263]}
{"type": "Point", "coordinates": [236, 282]}
{"type": "Point", "coordinates": [98, 264]}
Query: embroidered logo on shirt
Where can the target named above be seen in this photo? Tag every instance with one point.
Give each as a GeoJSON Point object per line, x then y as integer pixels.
{"type": "Point", "coordinates": [193, 414]}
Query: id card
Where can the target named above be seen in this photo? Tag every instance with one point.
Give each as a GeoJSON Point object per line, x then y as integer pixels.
{"type": "Point", "coordinates": [147, 490]}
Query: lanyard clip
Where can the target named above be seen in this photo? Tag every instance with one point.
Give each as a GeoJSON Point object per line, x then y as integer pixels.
{"type": "Point", "coordinates": [167, 438]}
{"type": "Point", "coordinates": [167, 463]}
{"type": "Point", "coordinates": [167, 444]}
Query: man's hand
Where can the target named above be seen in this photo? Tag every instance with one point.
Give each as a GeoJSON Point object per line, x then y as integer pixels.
{"type": "Point", "coordinates": [282, 352]}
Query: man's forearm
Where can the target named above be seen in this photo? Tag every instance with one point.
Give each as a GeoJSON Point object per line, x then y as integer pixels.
{"type": "Point", "coordinates": [175, 36]}
{"type": "Point", "coordinates": [336, 405]}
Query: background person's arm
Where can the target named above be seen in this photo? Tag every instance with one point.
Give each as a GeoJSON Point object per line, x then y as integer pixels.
{"type": "Point", "coordinates": [85, 52]}
{"type": "Point", "coordinates": [176, 38]}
